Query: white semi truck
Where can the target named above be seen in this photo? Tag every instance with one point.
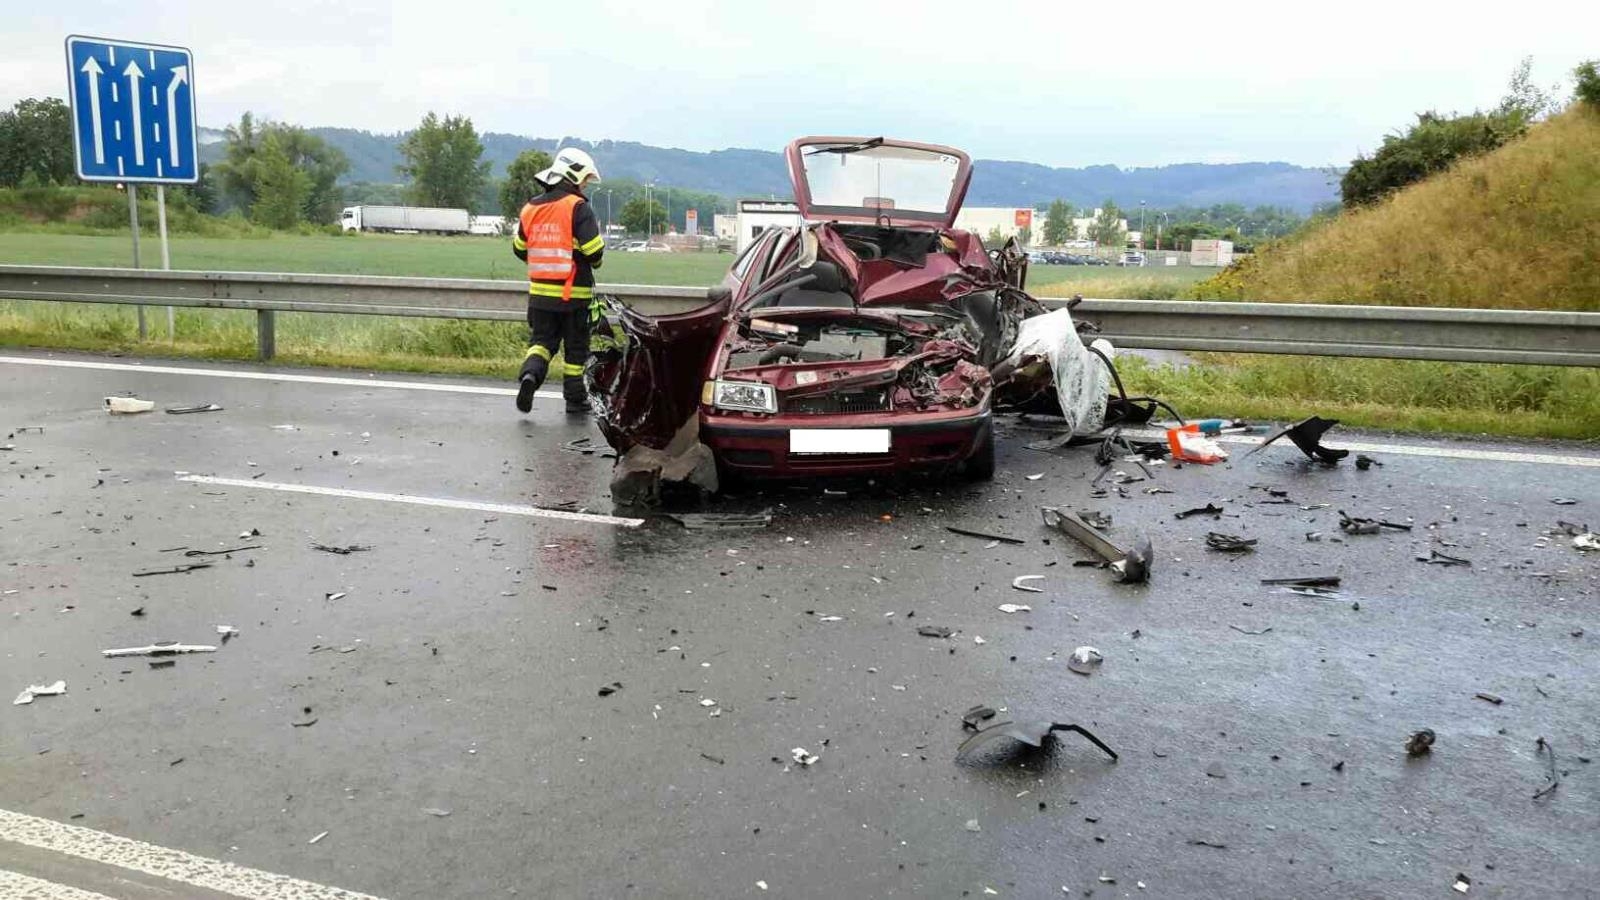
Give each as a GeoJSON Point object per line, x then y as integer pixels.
{"type": "Point", "coordinates": [415, 219]}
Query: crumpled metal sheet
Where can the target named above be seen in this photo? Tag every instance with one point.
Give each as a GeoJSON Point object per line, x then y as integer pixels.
{"type": "Point", "coordinates": [1082, 380]}
{"type": "Point", "coordinates": [1032, 734]}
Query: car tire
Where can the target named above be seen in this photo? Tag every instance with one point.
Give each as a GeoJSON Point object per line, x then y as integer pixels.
{"type": "Point", "coordinates": [980, 465]}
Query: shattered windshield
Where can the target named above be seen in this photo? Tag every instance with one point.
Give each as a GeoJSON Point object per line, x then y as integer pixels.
{"type": "Point", "coordinates": [874, 179]}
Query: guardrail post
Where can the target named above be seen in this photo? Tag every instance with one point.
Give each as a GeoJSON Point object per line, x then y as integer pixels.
{"type": "Point", "coordinates": [266, 334]}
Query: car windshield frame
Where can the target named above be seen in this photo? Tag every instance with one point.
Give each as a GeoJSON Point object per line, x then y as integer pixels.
{"type": "Point", "coordinates": [910, 166]}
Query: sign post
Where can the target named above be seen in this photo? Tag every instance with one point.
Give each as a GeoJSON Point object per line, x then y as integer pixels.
{"type": "Point", "coordinates": [133, 121]}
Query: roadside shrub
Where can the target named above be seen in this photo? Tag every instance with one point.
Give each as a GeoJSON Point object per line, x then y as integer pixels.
{"type": "Point", "coordinates": [1586, 87]}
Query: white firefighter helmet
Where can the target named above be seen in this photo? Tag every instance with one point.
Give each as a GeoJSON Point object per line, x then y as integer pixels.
{"type": "Point", "coordinates": [571, 164]}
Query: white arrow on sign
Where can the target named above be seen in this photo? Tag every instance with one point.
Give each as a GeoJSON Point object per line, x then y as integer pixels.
{"type": "Point", "coordinates": [93, 69]}
{"type": "Point", "coordinates": [180, 75]}
{"type": "Point", "coordinates": [134, 73]}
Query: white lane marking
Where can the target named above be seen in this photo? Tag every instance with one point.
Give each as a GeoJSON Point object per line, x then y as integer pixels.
{"type": "Point", "coordinates": [503, 508]}
{"type": "Point", "coordinates": [16, 886]}
{"type": "Point", "coordinates": [173, 865]}
{"type": "Point", "coordinates": [1462, 453]}
{"type": "Point", "coordinates": [276, 376]}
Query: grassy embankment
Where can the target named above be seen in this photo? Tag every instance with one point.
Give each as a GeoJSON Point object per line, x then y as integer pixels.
{"type": "Point", "coordinates": [1518, 228]}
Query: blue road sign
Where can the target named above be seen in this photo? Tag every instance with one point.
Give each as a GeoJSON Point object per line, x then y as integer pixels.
{"type": "Point", "coordinates": [132, 111]}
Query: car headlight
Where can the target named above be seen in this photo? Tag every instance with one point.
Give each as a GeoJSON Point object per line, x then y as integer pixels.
{"type": "Point", "coordinates": [745, 396]}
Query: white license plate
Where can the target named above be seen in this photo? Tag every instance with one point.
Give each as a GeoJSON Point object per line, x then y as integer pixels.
{"type": "Point", "coordinates": [838, 440]}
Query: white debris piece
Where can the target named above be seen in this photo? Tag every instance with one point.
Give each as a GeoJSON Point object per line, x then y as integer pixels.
{"type": "Point", "coordinates": [1083, 380]}
{"type": "Point", "coordinates": [762, 885]}
{"type": "Point", "coordinates": [1022, 583]}
{"type": "Point", "coordinates": [1014, 607]}
{"type": "Point", "coordinates": [124, 406]}
{"type": "Point", "coordinates": [830, 618]}
{"type": "Point", "coordinates": [1587, 541]}
{"type": "Point", "coordinates": [1085, 660]}
{"type": "Point", "coordinates": [160, 650]}
{"type": "Point", "coordinates": [1036, 477]}
{"type": "Point", "coordinates": [804, 757]}
{"type": "Point", "coordinates": [317, 838]}
{"type": "Point", "coordinates": [978, 639]}
{"type": "Point", "coordinates": [707, 702]}
{"type": "Point", "coordinates": [39, 690]}
{"type": "Point", "coordinates": [227, 631]}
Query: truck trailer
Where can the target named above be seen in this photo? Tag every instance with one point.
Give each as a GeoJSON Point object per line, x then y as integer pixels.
{"type": "Point", "coordinates": [408, 219]}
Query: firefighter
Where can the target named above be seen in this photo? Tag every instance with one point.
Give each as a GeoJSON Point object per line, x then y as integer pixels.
{"type": "Point", "coordinates": [559, 237]}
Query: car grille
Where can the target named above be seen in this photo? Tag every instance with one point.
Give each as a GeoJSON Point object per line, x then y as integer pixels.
{"type": "Point", "coordinates": [839, 402]}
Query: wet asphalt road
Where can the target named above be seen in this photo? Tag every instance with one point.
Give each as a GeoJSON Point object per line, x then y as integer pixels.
{"type": "Point", "coordinates": [460, 670]}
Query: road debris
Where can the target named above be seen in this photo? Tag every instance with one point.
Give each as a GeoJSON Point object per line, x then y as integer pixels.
{"type": "Point", "coordinates": [1496, 699]}
{"type": "Point", "coordinates": [1462, 883]}
{"type": "Point", "coordinates": [1420, 743]}
{"type": "Point", "coordinates": [172, 570]}
{"type": "Point", "coordinates": [127, 406]}
{"type": "Point", "coordinates": [1356, 525]}
{"type": "Point", "coordinates": [1245, 631]}
{"type": "Point", "coordinates": [163, 663]}
{"type": "Point", "coordinates": [334, 595]}
{"type": "Point", "coordinates": [1128, 566]}
{"type": "Point", "coordinates": [1587, 541]}
{"type": "Point", "coordinates": [984, 535]}
{"type": "Point", "coordinates": [1210, 509]}
{"type": "Point", "coordinates": [170, 648]}
{"type": "Point", "coordinates": [972, 825]}
{"type": "Point", "coordinates": [607, 690]}
{"type": "Point", "coordinates": [979, 713]}
{"type": "Point", "coordinates": [721, 521]}
{"type": "Point", "coordinates": [1552, 780]}
{"type": "Point", "coordinates": [39, 690]}
{"type": "Point", "coordinates": [1365, 462]}
{"type": "Point", "coordinates": [341, 551]}
{"type": "Point", "coordinates": [1307, 435]}
{"type": "Point", "coordinates": [1305, 581]}
{"type": "Point", "coordinates": [198, 408]}
{"type": "Point", "coordinates": [228, 632]}
{"type": "Point", "coordinates": [804, 757]}
{"type": "Point", "coordinates": [1032, 734]}
{"type": "Point", "coordinates": [1229, 543]}
{"type": "Point", "coordinates": [1096, 519]}
{"type": "Point", "coordinates": [1021, 583]}
{"type": "Point", "coordinates": [435, 811]}
{"type": "Point", "coordinates": [1564, 501]}
{"type": "Point", "coordinates": [317, 838]}
{"type": "Point", "coordinates": [1439, 559]}
{"type": "Point", "coordinates": [1014, 607]}
{"type": "Point", "coordinates": [1189, 445]}
{"type": "Point", "coordinates": [934, 631]}
{"type": "Point", "coordinates": [1085, 660]}
{"type": "Point", "coordinates": [240, 549]}
{"type": "Point", "coordinates": [1202, 842]}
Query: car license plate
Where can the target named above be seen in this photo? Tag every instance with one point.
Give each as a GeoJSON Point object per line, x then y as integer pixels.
{"type": "Point", "coordinates": [838, 440]}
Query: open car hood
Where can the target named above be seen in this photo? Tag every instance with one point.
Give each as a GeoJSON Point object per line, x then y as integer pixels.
{"type": "Point", "coordinates": [878, 181]}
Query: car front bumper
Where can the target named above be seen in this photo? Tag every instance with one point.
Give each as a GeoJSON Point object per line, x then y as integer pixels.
{"type": "Point", "coordinates": [760, 448]}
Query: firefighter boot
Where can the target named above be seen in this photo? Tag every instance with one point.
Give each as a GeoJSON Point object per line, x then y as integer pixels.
{"type": "Point", "coordinates": [577, 396]}
{"type": "Point", "coordinates": [534, 368]}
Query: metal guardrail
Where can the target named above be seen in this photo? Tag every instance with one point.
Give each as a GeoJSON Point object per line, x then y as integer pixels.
{"type": "Point", "coordinates": [1394, 332]}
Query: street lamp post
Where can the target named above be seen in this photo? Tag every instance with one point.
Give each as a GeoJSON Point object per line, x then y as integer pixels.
{"type": "Point", "coordinates": [1141, 221]}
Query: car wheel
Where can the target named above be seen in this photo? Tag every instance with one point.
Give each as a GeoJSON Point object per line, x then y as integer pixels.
{"type": "Point", "coordinates": [980, 465]}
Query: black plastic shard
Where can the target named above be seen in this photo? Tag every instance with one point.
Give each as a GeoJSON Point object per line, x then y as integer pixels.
{"type": "Point", "coordinates": [934, 631]}
{"type": "Point", "coordinates": [1229, 543]}
{"type": "Point", "coordinates": [721, 521]}
{"type": "Point", "coordinates": [1032, 734]}
{"type": "Point", "coordinates": [979, 713]}
{"type": "Point", "coordinates": [1210, 509]}
{"type": "Point", "coordinates": [1307, 435]}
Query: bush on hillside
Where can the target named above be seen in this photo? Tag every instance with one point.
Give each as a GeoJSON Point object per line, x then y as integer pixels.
{"type": "Point", "coordinates": [1586, 87]}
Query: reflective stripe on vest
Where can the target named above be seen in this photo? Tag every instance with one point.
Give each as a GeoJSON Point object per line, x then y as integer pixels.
{"type": "Point", "coordinates": [547, 229]}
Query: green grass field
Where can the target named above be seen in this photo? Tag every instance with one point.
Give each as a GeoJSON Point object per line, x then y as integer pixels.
{"type": "Point", "coordinates": [1509, 400]}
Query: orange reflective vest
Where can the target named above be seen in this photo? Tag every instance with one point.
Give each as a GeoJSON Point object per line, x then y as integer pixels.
{"type": "Point", "coordinates": [547, 229]}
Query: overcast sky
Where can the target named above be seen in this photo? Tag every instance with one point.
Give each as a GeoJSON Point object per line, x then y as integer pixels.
{"type": "Point", "coordinates": [1065, 84]}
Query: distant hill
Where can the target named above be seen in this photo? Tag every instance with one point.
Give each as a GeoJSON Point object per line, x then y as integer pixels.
{"type": "Point", "coordinates": [761, 173]}
{"type": "Point", "coordinates": [1514, 228]}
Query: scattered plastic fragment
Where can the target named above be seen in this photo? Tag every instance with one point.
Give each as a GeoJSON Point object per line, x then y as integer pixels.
{"type": "Point", "coordinates": [722, 521]}
{"type": "Point", "coordinates": [164, 649]}
{"type": "Point", "coordinates": [172, 570]}
{"type": "Point", "coordinates": [1496, 699]}
{"type": "Point", "coordinates": [607, 690]}
{"type": "Point", "coordinates": [1420, 743]}
{"type": "Point", "coordinates": [804, 757]}
{"type": "Point", "coordinates": [1440, 559]}
{"type": "Point", "coordinates": [830, 618]}
{"type": "Point", "coordinates": [1035, 477]}
{"type": "Point", "coordinates": [434, 811]}
{"type": "Point", "coordinates": [1229, 543]}
{"type": "Point", "coordinates": [1365, 462]}
{"type": "Point", "coordinates": [39, 690]}
{"type": "Point", "coordinates": [1587, 541]}
{"type": "Point", "coordinates": [1563, 501]}
{"type": "Point", "coordinates": [986, 536]}
{"type": "Point", "coordinates": [978, 639]}
{"type": "Point", "coordinates": [1085, 660]}
{"type": "Point", "coordinates": [199, 408]}
{"type": "Point", "coordinates": [1307, 435]}
{"type": "Point", "coordinates": [707, 702]}
{"type": "Point", "coordinates": [1246, 631]}
{"type": "Point", "coordinates": [934, 631]}
{"type": "Point", "coordinates": [317, 838]}
{"type": "Point", "coordinates": [1306, 581]}
{"type": "Point", "coordinates": [760, 884]}
{"type": "Point", "coordinates": [1201, 842]}
{"type": "Point", "coordinates": [979, 713]}
{"type": "Point", "coordinates": [1552, 780]}
{"type": "Point", "coordinates": [228, 632]}
{"type": "Point", "coordinates": [1356, 525]}
{"type": "Point", "coordinates": [972, 825]}
{"type": "Point", "coordinates": [1462, 883]}
{"type": "Point", "coordinates": [1014, 607]}
{"type": "Point", "coordinates": [1096, 519]}
{"type": "Point", "coordinates": [334, 595]}
{"type": "Point", "coordinates": [125, 406]}
{"type": "Point", "coordinates": [1210, 509]}
{"type": "Point", "coordinates": [1189, 445]}
{"type": "Point", "coordinates": [1021, 583]}
{"type": "Point", "coordinates": [341, 551]}
{"type": "Point", "coordinates": [1032, 734]}
{"type": "Point", "coordinates": [195, 553]}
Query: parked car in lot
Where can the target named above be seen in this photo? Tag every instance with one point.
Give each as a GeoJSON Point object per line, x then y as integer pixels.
{"type": "Point", "coordinates": [876, 339]}
{"type": "Point", "coordinates": [1132, 258]}
{"type": "Point", "coordinates": [644, 247]}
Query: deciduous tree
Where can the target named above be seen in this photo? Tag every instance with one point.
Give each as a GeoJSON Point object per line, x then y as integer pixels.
{"type": "Point", "coordinates": [36, 143]}
{"type": "Point", "coordinates": [1058, 224]}
{"type": "Point", "coordinates": [520, 186]}
{"type": "Point", "coordinates": [444, 160]}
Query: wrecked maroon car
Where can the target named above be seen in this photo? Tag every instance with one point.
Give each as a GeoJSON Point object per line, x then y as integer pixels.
{"type": "Point", "coordinates": [876, 338]}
